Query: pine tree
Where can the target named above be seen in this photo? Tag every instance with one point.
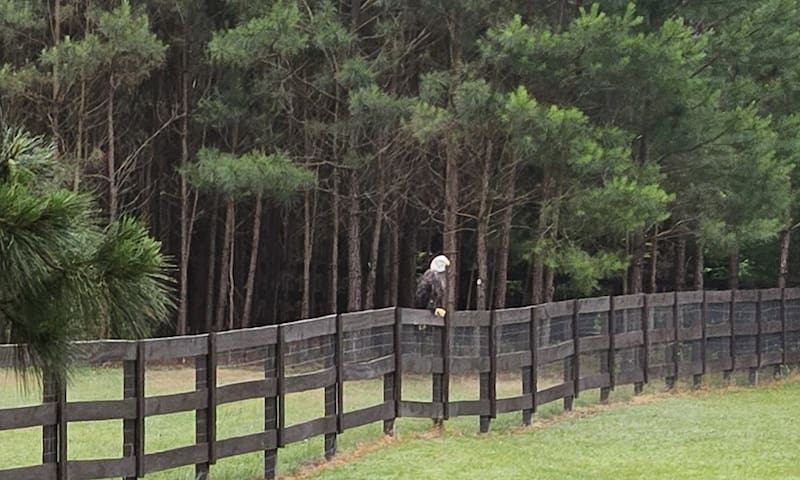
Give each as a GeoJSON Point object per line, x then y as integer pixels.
{"type": "Point", "coordinates": [64, 276]}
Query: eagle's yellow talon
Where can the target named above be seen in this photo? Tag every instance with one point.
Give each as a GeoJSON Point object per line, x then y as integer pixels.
{"type": "Point", "coordinates": [440, 312]}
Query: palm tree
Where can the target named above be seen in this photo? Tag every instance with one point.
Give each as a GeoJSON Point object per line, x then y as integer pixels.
{"type": "Point", "coordinates": [64, 276]}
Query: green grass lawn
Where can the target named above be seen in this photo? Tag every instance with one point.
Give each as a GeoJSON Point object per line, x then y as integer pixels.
{"type": "Point", "coordinates": [88, 440]}
{"type": "Point", "coordinates": [741, 433]}
{"type": "Point", "coordinates": [91, 440]}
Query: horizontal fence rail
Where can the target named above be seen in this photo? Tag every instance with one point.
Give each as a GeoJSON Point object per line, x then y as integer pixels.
{"type": "Point", "coordinates": [557, 351]}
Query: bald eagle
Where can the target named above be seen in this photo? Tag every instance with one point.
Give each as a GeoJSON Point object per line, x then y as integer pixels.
{"type": "Point", "coordinates": [431, 286]}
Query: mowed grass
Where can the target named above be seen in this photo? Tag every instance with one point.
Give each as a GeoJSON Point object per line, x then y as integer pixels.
{"type": "Point", "coordinates": [461, 443]}
{"type": "Point", "coordinates": [103, 439]}
{"type": "Point", "coordinates": [722, 433]}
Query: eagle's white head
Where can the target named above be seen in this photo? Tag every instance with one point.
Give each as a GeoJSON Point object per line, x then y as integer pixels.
{"type": "Point", "coordinates": [440, 263]}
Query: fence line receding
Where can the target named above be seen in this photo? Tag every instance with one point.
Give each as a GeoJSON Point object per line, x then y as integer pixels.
{"type": "Point", "coordinates": [556, 350]}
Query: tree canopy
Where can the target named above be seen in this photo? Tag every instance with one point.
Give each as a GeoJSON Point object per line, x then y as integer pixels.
{"type": "Point", "coordinates": [307, 158]}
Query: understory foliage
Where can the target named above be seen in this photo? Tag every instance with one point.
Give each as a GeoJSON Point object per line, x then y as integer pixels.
{"type": "Point", "coordinates": [302, 158]}
{"type": "Point", "coordinates": [63, 274]}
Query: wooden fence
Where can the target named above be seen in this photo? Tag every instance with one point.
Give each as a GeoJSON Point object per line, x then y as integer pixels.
{"type": "Point", "coordinates": [556, 350]}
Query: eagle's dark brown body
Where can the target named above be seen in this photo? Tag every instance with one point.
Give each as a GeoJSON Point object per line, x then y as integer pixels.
{"type": "Point", "coordinates": [430, 290]}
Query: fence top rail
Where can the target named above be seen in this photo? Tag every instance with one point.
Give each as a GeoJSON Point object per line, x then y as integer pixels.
{"type": "Point", "coordinates": [247, 338]}
{"type": "Point", "coordinates": [368, 319]}
{"type": "Point", "coordinates": [722, 296]}
{"type": "Point", "coordinates": [792, 293]}
{"type": "Point", "coordinates": [626, 302]}
{"type": "Point", "coordinates": [665, 299]}
{"type": "Point", "coordinates": [100, 351]}
{"type": "Point", "coordinates": [508, 316]}
{"type": "Point", "coordinates": [556, 309]}
{"type": "Point", "coordinates": [305, 329]}
{"type": "Point", "coordinates": [471, 318]}
{"type": "Point", "coordinates": [742, 296]}
{"type": "Point", "coordinates": [594, 305]}
{"type": "Point", "coordinates": [415, 316]}
{"type": "Point", "coordinates": [771, 294]}
{"type": "Point", "coordinates": [175, 347]}
{"type": "Point", "coordinates": [687, 298]}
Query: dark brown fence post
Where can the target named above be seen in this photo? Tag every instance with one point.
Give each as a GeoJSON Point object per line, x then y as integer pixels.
{"type": "Point", "coordinates": [753, 371]}
{"type": "Point", "coordinates": [493, 364]}
{"type": "Point", "coordinates": [488, 380]}
{"type": "Point", "coordinates": [205, 418]}
{"type": "Point", "coordinates": [697, 379]}
{"type": "Point", "coordinates": [388, 396]}
{"type": "Point", "coordinates": [388, 389]}
{"type": "Point", "coordinates": [280, 365]}
{"type": "Point", "coordinates": [54, 445]}
{"type": "Point", "coordinates": [398, 365]}
{"type": "Point", "coordinates": [49, 432]}
{"type": "Point", "coordinates": [571, 365]}
{"type": "Point", "coordinates": [271, 411]}
{"type": "Point", "coordinates": [211, 398]}
{"type": "Point", "coordinates": [726, 375]}
{"type": "Point", "coordinates": [484, 395]}
{"type": "Point", "coordinates": [441, 381]}
{"type": "Point", "coordinates": [671, 381]}
{"type": "Point", "coordinates": [611, 356]}
{"type": "Point", "coordinates": [445, 385]}
{"type": "Point", "coordinates": [644, 354]}
{"type": "Point", "coordinates": [140, 411]}
{"type": "Point", "coordinates": [334, 394]}
{"type": "Point", "coordinates": [61, 420]}
{"type": "Point", "coordinates": [784, 335]}
{"type": "Point", "coordinates": [339, 357]}
{"type": "Point", "coordinates": [529, 374]}
{"type": "Point", "coordinates": [129, 425]}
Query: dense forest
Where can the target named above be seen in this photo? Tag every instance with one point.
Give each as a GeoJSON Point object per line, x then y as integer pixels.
{"type": "Point", "coordinates": [302, 157]}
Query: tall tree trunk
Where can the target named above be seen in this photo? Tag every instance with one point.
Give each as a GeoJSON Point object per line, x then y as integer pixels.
{"type": "Point", "coordinates": [251, 268]}
{"type": "Point", "coordinates": [484, 213]}
{"type": "Point", "coordinates": [212, 263]}
{"type": "Point", "coordinates": [333, 300]}
{"type": "Point", "coordinates": [625, 274]}
{"type": "Point", "coordinates": [409, 249]}
{"type": "Point", "coordinates": [680, 263]}
{"type": "Point", "coordinates": [654, 260]}
{"type": "Point", "coordinates": [231, 278]}
{"type": "Point", "coordinates": [79, 142]}
{"type": "Point", "coordinates": [699, 266]}
{"type": "Point", "coordinates": [538, 289]}
{"type": "Point", "coordinates": [526, 285]}
{"type": "Point", "coordinates": [394, 278]}
{"type": "Point", "coordinates": [549, 274]}
{"type": "Point", "coordinates": [309, 214]}
{"type": "Point", "coordinates": [505, 245]}
{"type": "Point", "coordinates": [54, 111]}
{"type": "Point", "coordinates": [225, 263]}
{"type": "Point", "coordinates": [549, 285]}
{"type": "Point", "coordinates": [186, 239]}
{"type": "Point", "coordinates": [636, 271]}
{"type": "Point", "coordinates": [372, 273]}
{"type": "Point", "coordinates": [113, 190]}
{"type": "Point", "coordinates": [783, 263]}
{"type": "Point", "coordinates": [471, 282]}
{"type": "Point", "coordinates": [733, 269]}
{"type": "Point", "coordinates": [537, 279]}
{"type": "Point", "coordinates": [354, 302]}
{"type": "Point", "coordinates": [450, 233]}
